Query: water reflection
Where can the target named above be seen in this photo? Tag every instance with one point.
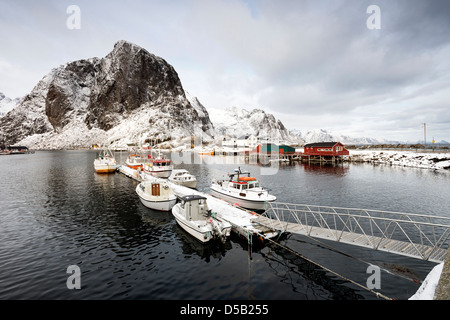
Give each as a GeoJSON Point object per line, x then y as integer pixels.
{"type": "Point", "coordinates": [206, 251]}
{"type": "Point", "coordinates": [326, 169]}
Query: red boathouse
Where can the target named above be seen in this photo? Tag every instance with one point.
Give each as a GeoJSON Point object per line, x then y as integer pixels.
{"type": "Point", "coordinates": [324, 151]}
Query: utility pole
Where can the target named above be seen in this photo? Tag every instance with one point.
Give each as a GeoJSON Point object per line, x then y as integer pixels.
{"type": "Point", "coordinates": [425, 134]}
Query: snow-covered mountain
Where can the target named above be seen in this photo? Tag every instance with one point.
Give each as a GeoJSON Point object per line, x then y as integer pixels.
{"type": "Point", "coordinates": [237, 122]}
{"type": "Point", "coordinates": [131, 96]}
{"type": "Point", "coordinates": [126, 97]}
{"type": "Point", "coordinates": [321, 135]}
{"type": "Point", "coordinates": [7, 104]}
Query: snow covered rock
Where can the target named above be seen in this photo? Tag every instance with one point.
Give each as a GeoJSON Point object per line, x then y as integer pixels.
{"type": "Point", "coordinates": [7, 104]}
{"type": "Point", "coordinates": [129, 96]}
{"type": "Point", "coordinates": [434, 161]}
{"type": "Point", "coordinates": [237, 122]}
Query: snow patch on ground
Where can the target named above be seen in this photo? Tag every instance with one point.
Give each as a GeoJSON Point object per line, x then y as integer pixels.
{"type": "Point", "coordinates": [429, 160]}
{"type": "Point", "coordinates": [429, 285]}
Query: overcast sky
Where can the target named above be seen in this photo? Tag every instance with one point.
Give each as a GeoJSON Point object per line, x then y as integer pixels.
{"type": "Point", "coordinates": [313, 64]}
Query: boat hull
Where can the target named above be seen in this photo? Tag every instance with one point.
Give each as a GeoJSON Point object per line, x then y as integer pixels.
{"type": "Point", "coordinates": [159, 205]}
{"type": "Point", "coordinates": [203, 233]}
{"type": "Point", "coordinates": [134, 167]}
{"type": "Point", "coordinates": [159, 174]}
{"type": "Point", "coordinates": [248, 204]}
{"type": "Point", "coordinates": [108, 170]}
{"type": "Point", "coordinates": [105, 167]}
{"type": "Point", "coordinates": [189, 184]}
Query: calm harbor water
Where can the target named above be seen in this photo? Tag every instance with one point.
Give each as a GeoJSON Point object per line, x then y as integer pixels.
{"type": "Point", "coordinates": [55, 212]}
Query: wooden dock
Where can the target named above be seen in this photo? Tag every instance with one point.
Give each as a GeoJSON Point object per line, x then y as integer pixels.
{"type": "Point", "coordinates": [243, 222]}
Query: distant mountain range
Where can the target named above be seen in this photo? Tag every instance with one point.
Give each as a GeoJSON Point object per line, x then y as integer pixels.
{"type": "Point", "coordinates": [321, 135]}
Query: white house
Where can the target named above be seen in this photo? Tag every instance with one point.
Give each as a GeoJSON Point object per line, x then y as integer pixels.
{"type": "Point", "coordinates": [243, 143]}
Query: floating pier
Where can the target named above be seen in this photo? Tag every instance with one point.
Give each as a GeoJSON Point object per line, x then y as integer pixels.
{"type": "Point", "coordinates": [243, 222]}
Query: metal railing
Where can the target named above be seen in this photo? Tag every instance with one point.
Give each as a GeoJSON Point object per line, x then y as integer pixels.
{"type": "Point", "coordinates": [417, 235]}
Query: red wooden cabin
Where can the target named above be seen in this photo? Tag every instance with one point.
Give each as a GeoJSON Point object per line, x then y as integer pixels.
{"type": "Point", "coordinates": [325, 149]}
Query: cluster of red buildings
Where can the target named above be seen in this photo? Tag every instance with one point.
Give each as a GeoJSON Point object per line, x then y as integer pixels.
{"type": "Point", "coordinates": [319, 151]}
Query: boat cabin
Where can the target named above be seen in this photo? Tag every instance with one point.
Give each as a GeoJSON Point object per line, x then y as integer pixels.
{"type": "Point", "coordinates": [195, 207]}
{"type": "Point", "coordinates": [155, 189]}
{"type": "Point", "coordinates": [242, 181]}
{"type": "Point", "coordinates": [162, 162]}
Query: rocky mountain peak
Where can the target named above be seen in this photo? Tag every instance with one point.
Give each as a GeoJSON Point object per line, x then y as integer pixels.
{"type": "Point", "coordinates": [126, 79]}
{"type": "Point", "coordinates": [128, 94]}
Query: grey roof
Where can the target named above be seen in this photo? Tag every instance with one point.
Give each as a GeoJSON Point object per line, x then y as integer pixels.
{"type": "Point", "coordinates": [321, 144]}
{"type": "Point", "coordinates": [191, 197]}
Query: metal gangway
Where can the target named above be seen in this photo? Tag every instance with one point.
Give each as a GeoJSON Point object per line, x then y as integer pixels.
{"type": "Point", "coordinates": [415, 235]}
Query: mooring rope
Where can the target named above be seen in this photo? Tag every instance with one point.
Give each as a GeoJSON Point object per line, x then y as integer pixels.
{"type": "Point", "coordinates": [380, 295]}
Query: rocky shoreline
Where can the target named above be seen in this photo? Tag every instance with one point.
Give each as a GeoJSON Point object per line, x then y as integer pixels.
{"type": "Point", "coordinates": [428, 160]}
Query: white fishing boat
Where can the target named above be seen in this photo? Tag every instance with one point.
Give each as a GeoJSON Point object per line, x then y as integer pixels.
{"type": "Point", "coordinates": [182, 177]}
{"type": "Point", "coordinates": [136, 160]}
{"type": "Point", "coordinates": [243, 190]}
{"type": "Point", "coordinates": [194, 216]}
{"type": "Point", "coordinates": [105, 162]}
{"type": "Point", "coordinates": [159, 166]}
{"type": "Point", "coordinates": [156, 195]}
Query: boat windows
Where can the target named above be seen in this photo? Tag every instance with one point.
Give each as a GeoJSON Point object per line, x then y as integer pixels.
{"type": "Point", "coordinates": [253, 185]}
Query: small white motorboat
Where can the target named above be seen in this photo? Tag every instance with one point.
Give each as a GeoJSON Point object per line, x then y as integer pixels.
{"type": "Point", "coordinates": [156, 195]}
{"type": "Point", "coordinates": [105, 162]}
{"type": "Point", "coordinates": [182, 177]}
{"type": "Point", "coordinates": [194, 216]}
{"type": "Point", "coordinates": [242, 190]}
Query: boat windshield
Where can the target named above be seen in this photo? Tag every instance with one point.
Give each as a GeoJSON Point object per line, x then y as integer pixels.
{"type": "Point", "coordinates": [252, 185]}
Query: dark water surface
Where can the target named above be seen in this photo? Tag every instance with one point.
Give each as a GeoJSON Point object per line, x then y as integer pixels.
{"type": "Point", "coordinates": [55, 211]}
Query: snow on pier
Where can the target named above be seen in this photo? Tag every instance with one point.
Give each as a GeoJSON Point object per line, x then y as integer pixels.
{"type": "Point", "coordinates": [243, 222]}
